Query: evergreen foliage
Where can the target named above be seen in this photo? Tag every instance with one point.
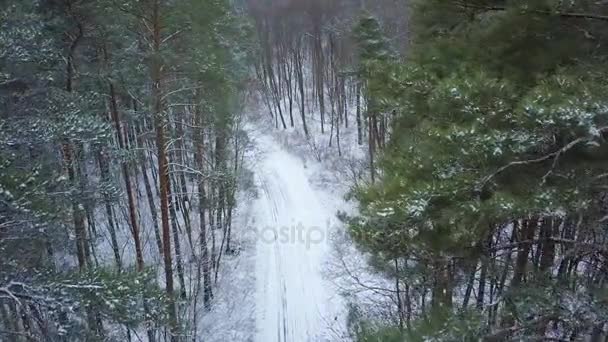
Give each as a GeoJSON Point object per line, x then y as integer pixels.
{"type": "Point", "coordinates": [77, 106]}
{"type": "Point", "coordinates": [492, 182]}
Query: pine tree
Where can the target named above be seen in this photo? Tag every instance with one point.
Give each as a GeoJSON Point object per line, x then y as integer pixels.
{"type": "Point", "coordinates": [373, 55]}
{"type": "Point", "coordinates": [497, 165]}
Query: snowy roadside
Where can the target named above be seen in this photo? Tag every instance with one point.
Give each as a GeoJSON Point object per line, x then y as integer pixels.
{"type": "Point", "coordinates": [232, 315]}
{"type": "Point", "coordinates": [364, 294]}
{"type": "Point", "coordinates": [292, 278]}
{"type": "Point", "coordinates": [276, 288]}
{"type": "Point", "coordinates": [329, 177]}
{"type": "Point", "coordinates": [294, 301]}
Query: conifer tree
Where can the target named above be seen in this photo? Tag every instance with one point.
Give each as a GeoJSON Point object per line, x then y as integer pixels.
{"type": "Point", "coordinates": [492, 188]}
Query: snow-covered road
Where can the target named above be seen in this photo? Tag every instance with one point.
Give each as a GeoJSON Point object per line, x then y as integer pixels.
{"type": "Point", "coordinates": [294, 303]}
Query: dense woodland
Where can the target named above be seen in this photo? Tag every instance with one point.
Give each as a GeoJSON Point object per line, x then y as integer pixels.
{"type": "Point", "coordinates": [115, 138]}
{"type": "Point", "coordinates": [489, 207]}
{"type": "Point", "coordinates": [480, 189]}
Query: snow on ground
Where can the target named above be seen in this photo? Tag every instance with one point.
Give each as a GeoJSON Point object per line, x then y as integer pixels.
{"type": "Point", "coordinates": [294, 302]}
{"type": "Point", "coordinates": [276, 288]}
{"type": "Point", "coordinates": [303, 185]}
{"type": "Point", "coordinates": [331, 173]}
{"type": "Point", "coordinates": [232, 314]}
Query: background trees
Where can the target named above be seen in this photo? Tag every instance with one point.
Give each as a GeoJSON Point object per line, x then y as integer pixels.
{"type": "Point", "coordinates": [308, 63]}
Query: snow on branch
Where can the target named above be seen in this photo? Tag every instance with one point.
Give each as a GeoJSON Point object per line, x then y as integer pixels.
{"type": "Point", "coordinates": [554, 155]}
{"type": "Point", "coordinates": [468, 5]}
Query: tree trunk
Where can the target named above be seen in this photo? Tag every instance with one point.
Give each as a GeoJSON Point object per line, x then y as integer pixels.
{"type": "Point", "coordinates": [163, 167]}
{"type": "Point", "coordinates": [470, 284]}
{"type": "Point", "coordinates": [358, 103]}
{"type": "Point", "coordinates": [442, 291]}
{"type": "Point", "coordinates": [548, 246]}
{"type": "Point", "coordinates": [204, 262]}
{"type": "Point", "coordinates": [182, 198]}
{"type": "Point", "coordinates": [370, 137]}
{"type": "Point", "coordinates": [176, 241]}
{"type": "Point", "coordinates": [528, 228]}
{"type": "Point", "coordinates": [150, 197]}
{"type": "Point", "coordinates": [105, 176]}
{"type": "Point", "coordinates": [128, 187]}
{"type": "Point", "coordinates": [398, 294]}
{"type": "Point", "coordinates": [69, 160]}
{"type": "Point", "coordinates": [300, 75]}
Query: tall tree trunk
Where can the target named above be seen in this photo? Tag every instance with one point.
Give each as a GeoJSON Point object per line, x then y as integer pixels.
{"type": "Point", "coordinates": [470, 283]}
{"type": "Point", "coordinates": [77, 210]}
{"type": "Point", "coordinates": [275, 92]}
{"type": "Point", "coordinates": [569, 232]}
{"type": "Point", "coordinates": [319, 70]}
{"type": "Point", "coordinates": [150, 195]}
{"type": "Point", "coordinates": [372, 168]}
{"type": "Point", "coordinates": [163, 166]}
{"type": "Point", "coordinates": [300, 76]}
{"type": "Point", "coordinates": [398, 294]}
{"type": "Point", "coordinates": [484, 271]}
{"type": "Point", "coordinates": [442, 288]}
{"type": "Point", "coordinates": [338, 137]}
{"type": "Point", "coordinates": [220, 166]}
{"type": "Point", "coordinates": [105, 176]}
{"type": "Point", "coordinates": [231, 193]}
{"type": "Point", "coordinates": [72, 160]}
{"type": "Point", "coordinates": [69, 158]}
{"type": "Point", "coordinates": [204, 261]}
{"type": "Point", "coordinates": [358, 103]}
{"type": "Point", "coordinates": [503, 277]}
{"type": "Point", "coordinates": [127, 178]}
{"type": "Point", "coordinates": [178, 250]}
{"type": "Point", "coordinates": [527, 231]}
{"type": "Point", "coordinates": [211, 215]}
{"type": "Point", "coordinates": [548, 245]}
{"type": "Point", "coordinates": [288, 80]}
{"type": "Point", "coordinates": [182, 197]}
{"type": "Point", "coordinates": [528, 228]}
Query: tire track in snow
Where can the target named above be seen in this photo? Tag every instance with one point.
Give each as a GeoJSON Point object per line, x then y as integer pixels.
{"type": "Point", "coordinates": [292, 303]}
{"type": "Point", "coordinates": [281, 321]}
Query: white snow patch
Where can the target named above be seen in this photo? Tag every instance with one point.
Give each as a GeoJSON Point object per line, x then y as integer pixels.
{"type": "Point", "coordinates": [294, 302]}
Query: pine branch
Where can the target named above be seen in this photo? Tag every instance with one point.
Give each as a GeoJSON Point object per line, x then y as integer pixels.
{"type": "Point", "coordinates": [9, 294]}
{"type": "Point", "coordinates": [554, 155]}
{"type": "Point", "coordinates": [569, 242]}
{"type": "Point", "coordinates": [507, 333]}
{"type": "Point", "coordinates": [574, 15]}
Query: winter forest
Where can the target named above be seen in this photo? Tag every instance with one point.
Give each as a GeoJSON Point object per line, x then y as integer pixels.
{"type": "Point", "coordinates": [303, 170]}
